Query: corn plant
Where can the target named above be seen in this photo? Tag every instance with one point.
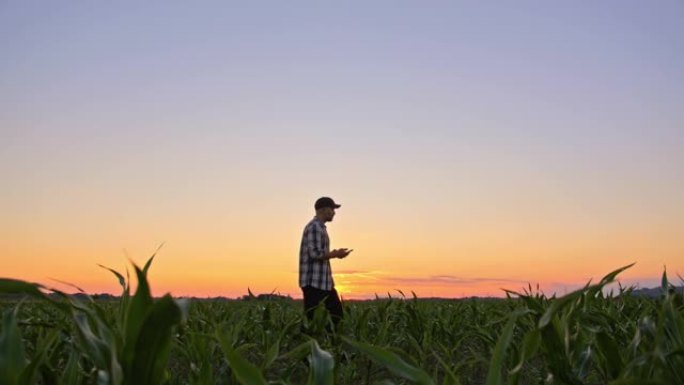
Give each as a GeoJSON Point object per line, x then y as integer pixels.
{"type": "Point", "coordinates": [131, 348]}
{"type": "Point", "coordinates": [591, 336]}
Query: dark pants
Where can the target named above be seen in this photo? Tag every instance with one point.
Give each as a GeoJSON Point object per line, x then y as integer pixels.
{"type": "Point", "coordinates": [313, 296]}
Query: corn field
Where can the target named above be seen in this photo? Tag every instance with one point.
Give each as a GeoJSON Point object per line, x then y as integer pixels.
{"type": "Point", "coordinates": [585, 337]}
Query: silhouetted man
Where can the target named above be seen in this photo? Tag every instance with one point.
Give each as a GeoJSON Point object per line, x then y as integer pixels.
{"type": "Point", "coordinates": [315, 275]}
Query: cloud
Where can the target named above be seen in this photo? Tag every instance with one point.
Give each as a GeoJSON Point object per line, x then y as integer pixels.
{"type": "Point", "coordinates": [349, 272]}
{"type": "Point", "coordinates": [362, 282]}
{"type": "Point", "coordinates": [360, 278]}
{"type": "Point", "coordinates": [450, 280]}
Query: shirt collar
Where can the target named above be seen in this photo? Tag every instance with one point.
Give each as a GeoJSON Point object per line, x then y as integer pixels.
{"type": "Point", "coordinates": [320, 221]}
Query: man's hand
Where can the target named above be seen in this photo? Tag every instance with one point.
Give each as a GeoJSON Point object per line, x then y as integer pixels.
{"type": "Point", "coordinates": [340, 253]}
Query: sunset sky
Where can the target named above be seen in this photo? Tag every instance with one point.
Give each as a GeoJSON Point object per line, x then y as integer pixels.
{"type": "Point", "coordinates": [473, 145]}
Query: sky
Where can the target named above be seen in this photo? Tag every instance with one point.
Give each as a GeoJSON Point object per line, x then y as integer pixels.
{"type": "Point", "coordinates": [474, 146]}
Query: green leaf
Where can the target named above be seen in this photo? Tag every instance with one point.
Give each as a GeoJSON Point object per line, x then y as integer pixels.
{"type": "Point", "coordinates": [558, 305]}
{"type": "Point", "coordinates": [72, 373]}
{"type": "Point", "coordinates": [271, 354]}
{"type": "Point", "coordinates": [154, 343]}
{"type": "Point", "coordinates": [28, 375]}
{"type": "Point", "coordinates": [94, 348]}
{"type": "Point", "coordinates": [611, 276]}
{"type": "Point", "coordinates": [449, 375]}
{"type": "Point", "coordinates": [299, 352]}
{"type": "Point", "coordinates": [392, 362]}
{"type": "Point", "coordinates": [15, 286]}
{"type": "Point", "coordinates": [636, 381]}
{"type": "Point", "coordinates": [322, 365]}
{"type": "Point", "coordinates": [149, 261]}
{"type": "Point", "coordinates": [12, 351]}
{"type": "Point", "coordinates": [136, 313]}
{"type": "Point", "coordinates": [122, 280]}
{"type": "Point", "coordinates": [246, 373]}
{"type": "Point", "coordinates": [609, 351]}
{"type": "Point", "coordinates": [664, 283]}
{"type": "Point", "coordinates": [531, 344]}
{"type": "Point", "coordinates": [494, 376]}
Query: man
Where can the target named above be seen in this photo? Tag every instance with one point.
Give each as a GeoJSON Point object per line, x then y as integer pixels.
{"type": "Point", "coordinates": [315, 275]}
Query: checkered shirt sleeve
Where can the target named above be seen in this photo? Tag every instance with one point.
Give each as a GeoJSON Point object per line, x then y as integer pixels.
{"type": "Point", "coordinates": [313, 269]}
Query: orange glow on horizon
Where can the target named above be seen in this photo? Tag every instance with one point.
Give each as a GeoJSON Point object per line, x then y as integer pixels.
{"type": "Point", "coordinates": [461, 268]}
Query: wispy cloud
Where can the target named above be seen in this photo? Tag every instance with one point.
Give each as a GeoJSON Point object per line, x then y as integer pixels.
{"type": "Point", "coordinates": [451, 279]}
{"type": "Point", "coordinates": [350, 272]}
{"type": "Point", "coordinates": [363, 282]}
{"type": "Point", "coordinates": [359, 278]}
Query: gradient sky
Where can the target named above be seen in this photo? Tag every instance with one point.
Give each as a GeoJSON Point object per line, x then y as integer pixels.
{"type": "Point", "coordinates": [473, 145]}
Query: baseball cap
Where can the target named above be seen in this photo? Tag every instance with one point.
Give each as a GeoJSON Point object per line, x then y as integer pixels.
{"type": "Point", "coordinates": [326, 202]}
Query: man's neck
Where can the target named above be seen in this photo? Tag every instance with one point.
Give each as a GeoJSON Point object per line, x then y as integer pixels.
{"type": "Point", "coordinates": [320, 218]}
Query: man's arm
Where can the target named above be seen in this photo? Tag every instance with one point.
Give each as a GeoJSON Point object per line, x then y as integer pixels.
{"type": "Point", "coordinates": [314, 242]}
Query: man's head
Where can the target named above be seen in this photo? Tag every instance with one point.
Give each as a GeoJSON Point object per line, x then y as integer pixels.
{"type": "Point", "coordinates": [325, 208]}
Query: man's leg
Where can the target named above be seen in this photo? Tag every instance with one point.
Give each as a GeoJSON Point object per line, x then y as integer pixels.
{"type": "Point", "coordinates": [312, 297]}
{"type": "Point", "coordinates": [334, 306]}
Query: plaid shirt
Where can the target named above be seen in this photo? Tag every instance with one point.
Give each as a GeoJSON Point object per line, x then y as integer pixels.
{"type": "Point", "coordinates": [313, 269]}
